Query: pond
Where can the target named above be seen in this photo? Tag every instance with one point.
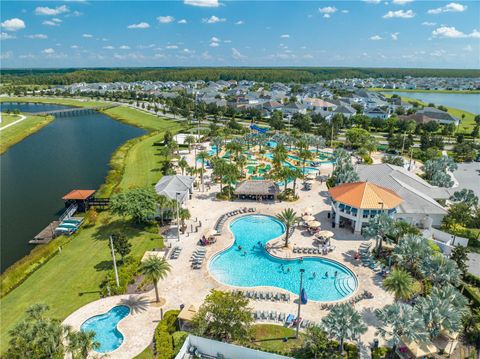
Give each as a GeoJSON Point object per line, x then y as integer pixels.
{"type": "Point", "coordinates": [69, 153]}
{"type": "Point", "coordinates": [466, 102]}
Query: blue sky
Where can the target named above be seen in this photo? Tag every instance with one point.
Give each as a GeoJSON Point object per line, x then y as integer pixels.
{"type": "Point", "coordinates": [392, 33]}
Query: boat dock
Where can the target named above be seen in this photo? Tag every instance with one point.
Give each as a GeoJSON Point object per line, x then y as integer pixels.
{"type": "Point", "coordinates": [46, 235]}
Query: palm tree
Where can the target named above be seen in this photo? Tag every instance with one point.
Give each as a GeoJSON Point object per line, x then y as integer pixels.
{"type": "Point", "coordinates": [380, 228]}
{"type": "Point", "coordinates": [296, 174]}
{"type": "Point", "coordinates": [81, 343]}
{"type": "Point", "coordinates": [399, 320]}
{"type": "Point", "coordinates": [241, 163]}
{"type": "Point", "coordinates": [305, 155]}
{"type": "Point", "coordinates": [410, 252]}
{"type": "Point", "coordinates": [440, 270]}
{"type": "Point", "coordinates": [202, 156]}
{"type": "Point", "coordinates": [154, 269]}
{"type": "Point", "coordinates": [401, 283]}
{"type": "Point", "coordinates": [217, 142]}
{"type": "Point", "coordinates": [163, 203]}
{"type": "Point", "coordinates": [189, 141]}
{"type": "Point", "coordinates": [344, 322]}
{"type": "Point", "coordinates": [183, 164]}
{"type": "Point", "coordinates": [288, 217]}
{"type": "Point", "coordinates": [279, 155]}
{"type": "Point", "coordinates": [316, 343]}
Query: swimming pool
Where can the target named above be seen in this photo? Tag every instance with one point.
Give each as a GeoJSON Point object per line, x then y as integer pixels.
{"type": "Point", "coordinates": [105, 328]}
{"type": "Point", "coordinates": [258, 268]}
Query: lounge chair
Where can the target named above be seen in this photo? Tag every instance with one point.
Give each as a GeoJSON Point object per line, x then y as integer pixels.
{"type": "Point", "coordinates": [262, 295]}
{"type": "Point", "coordinates": [281, 317]}
{"type": "Point", "coordinates": [290, 319]}
{"type": "Point", "coordinates": [276, 297]}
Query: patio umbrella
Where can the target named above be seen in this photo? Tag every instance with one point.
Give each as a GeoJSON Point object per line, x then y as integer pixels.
{"type": "Point", "coordinates": [307, 210]}
{"type": "Point", "coordinates": [211, 233]}
{"type": "Point", "coordinates": [311, 176]}
{"type": "Point", "coordinates": [308, 218]}
{"type": "Point", "coordinates": [326, 234]}
{"type": "Point", "coordinates": [313, 224]}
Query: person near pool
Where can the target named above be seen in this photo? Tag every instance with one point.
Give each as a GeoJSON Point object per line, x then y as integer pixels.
{"type": "Point", "coordinates": [336, 273]}
{"type": "Point", "coordinates": [239, 248]}
{"type": "Point", "coordinates": [326, 274]}
{"type": "Point", "coordinates": [314, 275]}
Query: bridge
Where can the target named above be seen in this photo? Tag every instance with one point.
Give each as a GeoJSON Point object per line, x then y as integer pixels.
{"type": "Point", "coordinates": [77, 111]}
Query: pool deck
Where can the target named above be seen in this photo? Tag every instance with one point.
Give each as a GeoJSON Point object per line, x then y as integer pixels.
{"type": "Point", "coordinates": [187, 286]}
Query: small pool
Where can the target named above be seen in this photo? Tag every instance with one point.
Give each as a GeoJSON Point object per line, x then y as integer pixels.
{"type": "Point", "coordinates": [105, 328]}
{"type": "Point", "coordinates": [258, 268]}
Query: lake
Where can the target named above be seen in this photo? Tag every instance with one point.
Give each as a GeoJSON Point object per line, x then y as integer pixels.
{"type": "Point", "coordinates": [69, 153]}
{"type": "Point", "coordinates": [467, 102]}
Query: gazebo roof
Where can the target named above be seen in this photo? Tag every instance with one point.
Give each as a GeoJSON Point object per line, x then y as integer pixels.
{"type": "Point", "coordinates": [365, 195]}
{"type": "Point", "coordinates": [79, 194]}
{"type": "Point", "coordinates": [188, 313]}
{"type": "Point", "coordinates": [257, 188]}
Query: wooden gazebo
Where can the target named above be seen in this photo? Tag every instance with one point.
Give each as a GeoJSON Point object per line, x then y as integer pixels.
{"type": "Point", "coordinates": [80, 197]}
{"type": "Point", "coordinates": [257, 190]}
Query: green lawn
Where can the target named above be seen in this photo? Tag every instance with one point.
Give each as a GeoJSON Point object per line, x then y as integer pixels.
{"type": "Point", "coordinates": [72, 278]}
{"type": "Point", "coordinates": [146, 354]}
{"type": "Point", "coordinates": [269, 337]}
{"type": "Point", "coordinates": [17, 132]}
{"type": "Point", "coordinates": [143, 164]}
{"type": "Point", "coordinates": [8, 119]}
{"type": "Point", "coordinates": [54, 100]}
{"type": "Point", "coordinates": [142, 119]}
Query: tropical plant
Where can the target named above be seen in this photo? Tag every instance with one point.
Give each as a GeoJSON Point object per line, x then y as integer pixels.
{"type": "Point", "coordinates": [440, 270]}
{"type": "Point", "coordinates": [183, 164]}
{"type": "Point", "coordinates": [279, 155]}
{"type": "Point", "coordinates": [224, 316]}
{"type": "Point", "coordinates": [138, 203]}
{"type": "Point", "coordinates": [184, 214]}
{"type": "Point", "coordinates": [218, 143]}
{"type": "Point", "coordinates": [466, 196]}
{"type": "Point", "coordinates": [189, 141]}
{"type": "Point", "coordinates": [344, 323]}
{"type": "Point", "coordinates": [154, 269]}
{"type": "Point", "coordinates": [288, 217]}
{"type": "Point", "coordinates": [305, 155]}
{"type": "Point", "coordinates": [401, 283]}
{"type": "Point", "coordinates": [38, 336]}
{"type": "Point", "coordinates": [163, 203]}
{"type": "Point", "coordinates": [317, 345]}
{"type": "Point", "coordinates": [202, 156]}
{"type": "Point", "coordinates": [460, 256]}
{"type": "Point", "coordinates": [436, 171]}
{"type": "Point", "coordinates": [410, 252]}
{"type": "Point", "coordinates": [343, 171]}
{"type": "Point", "coordinates": [399, 320]}
{"type": "Point", "coordinates": [379, 228]}
{"type": "Point", "coordinates": [241, 163]}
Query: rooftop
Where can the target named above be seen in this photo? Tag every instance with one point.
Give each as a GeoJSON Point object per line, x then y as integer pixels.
{"type": "Point", "coordinates": [79, 194]}
{"type": "Point", "coordinates": [257, 187]}
{"type": "Point", "coordinates": [365, 195]}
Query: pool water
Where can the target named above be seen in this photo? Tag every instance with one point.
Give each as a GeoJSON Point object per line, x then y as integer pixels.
{"type": "Point", "coordinates": [105, 328]}
{"type": "Point", "coordinates": [258, 268]}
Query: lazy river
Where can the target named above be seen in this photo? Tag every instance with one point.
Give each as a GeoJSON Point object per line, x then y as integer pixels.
{"type": "Point", "coordinates": [252, 266]}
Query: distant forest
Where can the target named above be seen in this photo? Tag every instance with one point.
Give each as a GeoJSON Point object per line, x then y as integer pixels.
{"type": "Point", "coordinates": [284, 74]}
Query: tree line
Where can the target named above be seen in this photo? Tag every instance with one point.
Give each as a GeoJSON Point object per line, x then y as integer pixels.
{"type": "Point", "coordinates": [261, 74]}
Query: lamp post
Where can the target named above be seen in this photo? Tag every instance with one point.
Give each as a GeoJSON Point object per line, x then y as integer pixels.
{"type": "Point", "coordinates": [114, 262]}
{"type": "Point", "coordinates": [299, 301]}
{"type": "Point", "coordinates": [178, 216]}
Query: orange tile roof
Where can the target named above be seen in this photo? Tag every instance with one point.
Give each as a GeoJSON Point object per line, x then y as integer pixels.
{"type": "Point", "coordinates": [79, 194]}
{"type": "Point", "coordinates": [365, 195]}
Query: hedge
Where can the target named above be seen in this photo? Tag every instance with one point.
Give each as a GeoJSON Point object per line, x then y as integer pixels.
{"type": "Point", "coordinates": [167, 341]}
{"type": "Point", "coordinates": [471, 293]}
{"type": "Point", "coordinates": [126, 274]}
{"type": "Point", "coordinates": [381, 353]}
{"type": "Point", "coordinates": [472, 279]}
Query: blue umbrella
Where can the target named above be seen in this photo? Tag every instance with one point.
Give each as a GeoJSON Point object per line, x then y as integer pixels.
{"type": "Point", "coordinates": [303, 296]}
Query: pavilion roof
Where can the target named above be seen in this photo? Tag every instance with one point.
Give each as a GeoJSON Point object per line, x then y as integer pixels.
{"type": "Point", "coordinates": [79, 194]}
{"type": "Point", "coordinates": [365, 195]}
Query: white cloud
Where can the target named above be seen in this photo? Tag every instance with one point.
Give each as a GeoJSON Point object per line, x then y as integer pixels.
{"type": "Point", "coordinates": [327, 16]}
{"type": "Point", "coordinates": [14, 24]}
{"type": "Point", "coordinates": [50, 23]}
{"type": "Point", "coordinates": [213, 19]}
{"type": "Point", "coordinates": [328, 10]}
{"type": "Point", "coordinates": [394, 35]}
{"type": "Point", "coordinates": [140, 25]}
{"type": "Point", "coordinates": [375, 37]}
{"type": "Point", "coordinates": [48, 11]}
{"type": "Point", "coordinates": [450, 32]}
{"type": "Point", "coordinates": [401, 2]}
{"type": "Point", "coordinates": [206, 56]}
{"type": "Point", "coordinates": [372, 1]}
{"type": "Point", "coordinates": [124, 47]}
{"type": "Point", "coordinates": [165, 19]}
{"type": "Point", "coordinates": [37, 36]}
{"type": "Point", "coordinates": [74, 47]}
{"type": "Point", "coordinates": [171, 47]}
{"type": "Point", "coordinates": [109, 47]}
{"type": "Point", "coordinates": [215, 39]}
{"type": "Point", "coordinates": [428, 23]}
{"type": "Point", "coordinates": [6, 55]}
{"type": "Point", "coordinates": [57, 20]}
{"type": "Point", "coordinates": [468, 48]}
{"type": "Point", "coordinates": [48, 51]}
{"type": "Point", "coordinates": [239, 22]}
{"type": "Point", "coordinates": [87, 36]}
{"type": "Point", "coordinates": [227, 41]}
{"type": "Point", "coordinates": [6, 36]}
{"type": "Point", "coordinates": [345, 11]}
{"type": "Point", "coordinates": [285, 36]}
{"type": "Point", "coordinates": [451, 7]}
{"type": "Point", "coordinates": [237, 55]}
{"type": "Point", "coordinates": [214, 44]}
{"type": "Point", "coordinates": [202, 3]}
{"type": "Point", "coordinates": [399, 14]}
{"type": "Point", "coordinates": [183, 21]}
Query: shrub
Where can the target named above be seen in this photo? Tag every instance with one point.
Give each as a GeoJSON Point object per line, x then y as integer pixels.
{"type": "Point", "coordinates": [472, 294]}
{"type": "Point", "coordinates": [178, 340]}
{"type": "Point", "coordinates": [126, 273]}
{"type": "Point", "coordinates": [351, 350]}
{"type": "Point", "coordinates": [170, 318]}
{"type": "Point", "coordinates": [381, 353]}
{"type": "Point", "coordinates": [367, 159]}
{"type": "Point", "coordinates": [163, 342]}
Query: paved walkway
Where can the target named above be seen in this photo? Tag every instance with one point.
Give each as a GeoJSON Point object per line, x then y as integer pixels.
{"type": "Point", "coordinates": [22, 117]}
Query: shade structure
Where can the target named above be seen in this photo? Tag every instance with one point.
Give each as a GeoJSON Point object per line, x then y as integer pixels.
{"type": "Point", "coordinates": [325, 234]}
{"type": "Point", "coordinates": [308, 218]}
{"type": "Point", "coordinates": [311, 176]}
{"type": "Point", "coordinates": [211, 232]}
{"type": "Point", "coordinates": [365, 195]}
{"type": "Point", "coordinates": [419, 350]}
{"type": "Point", "coordinates": [313, 224]}
{"type": "Point", "coordinates": [307, 210]}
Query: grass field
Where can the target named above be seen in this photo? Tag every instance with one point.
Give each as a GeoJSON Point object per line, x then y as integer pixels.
{"type": "Point", "coordinates": [141, 119]}
{"type": "Point", "coordinates": [269, 337]}
{"type": "Point", "coordinates": [54, 100]}
{"type": "Point", "coordinates": [72, 278]}
{"type": "Point", "coordinates": [17, 132]}
{"type": "Point", "coordinates": [8, 119]}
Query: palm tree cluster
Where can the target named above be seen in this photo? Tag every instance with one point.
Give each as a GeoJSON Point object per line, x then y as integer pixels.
{"type": "Point", "coordinates": [38, 336]}
{"type": "Point", "coordinates": [343, 171]}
